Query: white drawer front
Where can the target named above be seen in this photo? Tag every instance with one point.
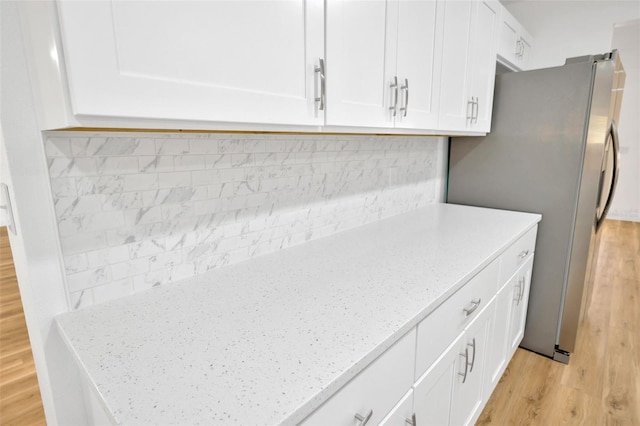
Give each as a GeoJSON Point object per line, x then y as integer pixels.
{"type": "Point", "coordinates": [378, 387]}
{"type": "Point", "coordinates": [442, 326]}
{"type": "Point", "coordinates": [517, 254]}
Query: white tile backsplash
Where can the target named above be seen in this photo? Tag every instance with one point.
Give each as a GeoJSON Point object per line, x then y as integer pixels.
{"type": "Point", "coordinates": [136, 210]}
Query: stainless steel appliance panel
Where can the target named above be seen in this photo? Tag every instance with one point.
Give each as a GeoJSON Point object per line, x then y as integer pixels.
{"type": "Point", "coordinates": [598, 124]}
{"type": "Point", "coordinates": [531, 161]}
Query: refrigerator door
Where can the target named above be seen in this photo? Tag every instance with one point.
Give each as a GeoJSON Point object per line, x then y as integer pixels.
{"type": "Point", "coordinates": [598, 125]}
{"type": "Point", "coordinates": [542, 156]}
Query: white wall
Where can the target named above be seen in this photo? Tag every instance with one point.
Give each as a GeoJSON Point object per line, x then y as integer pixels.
{"type": "Point", "coordinates": [626, 202]}
{"type": "Point", "coordinates": [569, 28]}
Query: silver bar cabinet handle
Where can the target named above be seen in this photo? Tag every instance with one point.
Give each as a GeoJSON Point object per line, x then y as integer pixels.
{"type": "Point", "coordinates": [474, 306]}
{"type": "Point", "coordinates": [394, 86]}
{"type": "Point", "coordinates": [405, 88]}
{"type": "Point", "coordinates": [473, 358]}
{"type": "Point", "coordinates": [522, 283]}
{"type": "Point", "coordinates": [470, 115]}
{"type": "Point", "coordinates": [412, 420]}
{"type": "Point", "coordinates": [323, 89]}
{"type": "Point", "coordinates": [466, 365]}
{"type": "Point", "coordinates": [523, 254]}
{"type": "Point", "coordinates": [364, 420]}
{"type": "Point", "coordinates": [475, 116]}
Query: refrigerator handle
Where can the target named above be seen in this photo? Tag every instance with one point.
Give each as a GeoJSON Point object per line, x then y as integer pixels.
{"type": "Point", "coordinates": [613, 132]}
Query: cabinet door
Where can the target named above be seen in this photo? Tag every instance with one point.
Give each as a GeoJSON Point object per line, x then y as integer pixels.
{"type": "Point", "coordinates": [508, 36]}
{"type": "Point", "coordinates": [468, 398]}
{"type": "Point", "coordinates": [455, 101]}
{"type": "Point", "coordinates": [520, 304]}
{"type": "Point", "coordinates": [222, 61]}
{"type": "Point", "coordinates": [483, 62]}
{"type": "Point", "coordinates": [525, 53]}
{"type": "Point", "coordinates": [361, 46]}
{"type": "Point", "coordinates": [497, 337]}
{"type": "Point", "coordinates": [433, 391]}
{"type": "Point", "coordinates": [401, 414]}
{"type": "Point", "coordinates": [419, 51]}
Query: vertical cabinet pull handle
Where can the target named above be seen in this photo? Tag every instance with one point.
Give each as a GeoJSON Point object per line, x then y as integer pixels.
{"type": "Point", "coordinates": [323, 89]}
{"type": "Point", "coordinates": [466, 365]}
{"type": "Point", "coordinates": [405, 89]}
{"type": "Point", "coordinates": [474, 306]}
{"type": "Point", "coordinates": [364, 419]}
{"type": "Point", "coordinates": [412, 420]}
{"type": "Point", "coordinates": [473, 358]}
{"type": "Point", "coordinates": [522, 284]}
{"type": "Point", "coordinates": [394, 86]}
{"type": "Point", "coordinates": [475, 116]}
{"type": "Point", "coordinates": [470, 114]}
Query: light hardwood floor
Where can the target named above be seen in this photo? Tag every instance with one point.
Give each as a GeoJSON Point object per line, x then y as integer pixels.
{"type": "Point", "coordinates": [601, 384]}
{"type": "Point", "coordinates": [20, 402]}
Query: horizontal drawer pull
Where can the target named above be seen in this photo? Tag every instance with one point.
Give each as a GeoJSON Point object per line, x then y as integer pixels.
{"type": "Point", "coordinates": [523, 254]}
{"type": "Point", "coordinates": [474, 306]}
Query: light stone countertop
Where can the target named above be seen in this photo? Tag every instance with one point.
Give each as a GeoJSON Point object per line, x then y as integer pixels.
{"type": "Point", "coordinates": [268, 340]}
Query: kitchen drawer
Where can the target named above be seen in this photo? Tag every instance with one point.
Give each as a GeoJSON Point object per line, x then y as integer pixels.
{"type": "Point", "coordinates": [516, 255]}
{"type": "Point", "coordinates": [377, 389]}
{"type": "Point", "coordinates": [442, 326]}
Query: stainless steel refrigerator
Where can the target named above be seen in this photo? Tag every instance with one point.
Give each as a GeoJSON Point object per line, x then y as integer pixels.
{"type": "Point", "coordinates": [553, 150]}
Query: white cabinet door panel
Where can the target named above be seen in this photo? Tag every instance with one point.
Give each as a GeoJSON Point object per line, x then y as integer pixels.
{"type": "Point", "coordinates": [433, 392]}
{"type": "Point", "coordinates": [418, 53]}
{"type": "Point", "coordinates": [219, 61]}
{"type": "Point", "coordinates": [498, 333]}
{"type": "Point", "coordinates": [402, 412]}
{"type": "Point", "coordinates": [358, 54]}
{"type": "Point", "coordinates": [483, 52]}
{"type": "Point", "coordinates": [467, 392]}
{"type": "Point", "coordinates": [454, 106]}
{"type": "Point", "coordinates": [520, 303]}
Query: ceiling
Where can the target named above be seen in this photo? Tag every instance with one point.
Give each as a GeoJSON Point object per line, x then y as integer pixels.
{"type": "Point", "coordinates": [536, 15]}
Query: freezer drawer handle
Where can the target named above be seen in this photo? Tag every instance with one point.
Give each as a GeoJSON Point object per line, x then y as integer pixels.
{"type": "Point", "coordinates": [364, 420]}
{"type": "Point", "coordinates": [523, 254]}
{"type": "Point", "coordinates": [472, 309]}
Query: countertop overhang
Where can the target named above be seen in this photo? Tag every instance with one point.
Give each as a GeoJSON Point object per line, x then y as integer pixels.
{"type": "Point", "coordinates": [268, 340]}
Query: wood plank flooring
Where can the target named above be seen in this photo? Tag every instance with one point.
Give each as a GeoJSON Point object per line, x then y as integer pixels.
{"type": "Point", "coordinates": [601, 384]}
{"type": "Point", "coordinates": [20, 402]}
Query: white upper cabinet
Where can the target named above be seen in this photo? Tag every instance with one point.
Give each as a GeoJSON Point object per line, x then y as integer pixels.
{"type": "Point", "coordinates": [383, 63]}
{"type": "Point", "coordinates": [468, 65]}
{"type": "Point", "coordinates": [358, 53]}
{"type": "Point", "coordinates": [514, 46]}
{"type": "Point", "coordinates": [222, 61]}
{"type": "Point", "coordinates": [403, 66]}
{"type": "Point", "coordinates": [419, 52]}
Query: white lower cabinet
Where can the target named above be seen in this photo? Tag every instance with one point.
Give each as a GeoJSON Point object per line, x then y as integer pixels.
{"type": "Point", "coordinates": [433, 391]}
{"type": "Point", "coordinates": [402, 414]}
{"type": "Point", "coordinates": [467, 398]}
{"type": "Point", "coordinates": [519, 306]}
{"type": "Point", "coordinates": [456, 354]}
{"type": "Point", "coordinates": [372, 394]}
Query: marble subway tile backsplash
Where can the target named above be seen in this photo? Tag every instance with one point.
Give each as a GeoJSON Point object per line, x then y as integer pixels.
{"type": "Point", "coordinates": [136, 210]}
